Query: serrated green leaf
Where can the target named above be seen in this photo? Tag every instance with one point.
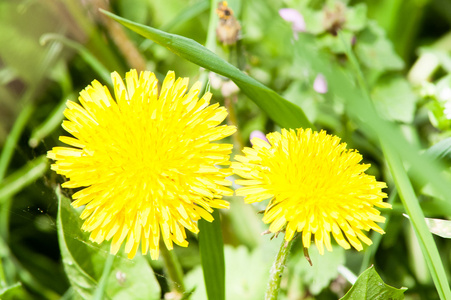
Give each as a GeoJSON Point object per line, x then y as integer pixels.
{"type": "Point", "coordinates": [283, 112]}
{"type": "Point", "coordinates": [324, 268]}
{"type": "Point", "coordinates": [211, 249]}
{"type": "Point", "coordinates": [395, 99]}
{"type": "Point", "coordinates": [84, 261]}
{"type": "Point", "coordinates": [356, 17]}
{"type": "Point", "coordinates": [370, 286]}
{"type": "Point", "coordinates": [375, 51]}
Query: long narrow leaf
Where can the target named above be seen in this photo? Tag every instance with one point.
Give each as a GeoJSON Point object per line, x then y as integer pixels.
{"type": "Point", "coordinates": [23, 177]}
{"type": "Point", "coordinates": [283, 112]}
{"type": "Point", "coordinates": [212, 257]}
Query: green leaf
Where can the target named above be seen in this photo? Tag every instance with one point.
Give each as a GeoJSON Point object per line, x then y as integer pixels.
{"type": "Point", "coordinates": [75, 254]}
{"type": "Point", "coordinates": [23, 177]}
{"type": "Point", "coordinates": [246, 274]}
{"type": "Point", "coordinates": [395, 99]}
{"type": "Point", "coordinates": [211, 249]}
{"type": "Point", "coordinates": [439, 227]}
{"type": "Point", "coordinates": [15, 291]}
{"type": "Point", "coordinates": [441, 150]}
{"type": "Point", "coordinates": [370, 286]}
{"type": "Point", "coordinates": [375, 51]}
{"type": "Point", "coordinates": [356, 17]}
{"type": "Point", "coordinates": [283, 112]}
{"type": "Point", "coordinates": [132, 279]}
{"type": "Point", "coordinates": [84, 262]}
{"type": "Point", "coordinates": [324, 268]}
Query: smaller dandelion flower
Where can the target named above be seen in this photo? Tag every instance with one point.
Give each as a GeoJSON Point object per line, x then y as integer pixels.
{"type": "Point", "coordinates": [315, 185]}
{"type": "Point", "coordinates": [146, 160]}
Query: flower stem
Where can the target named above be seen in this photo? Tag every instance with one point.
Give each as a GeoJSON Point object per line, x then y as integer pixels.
{"type": "Point", "coordinates": [173, 269]}
{"type": "Point", "coordinates": [276, 272]}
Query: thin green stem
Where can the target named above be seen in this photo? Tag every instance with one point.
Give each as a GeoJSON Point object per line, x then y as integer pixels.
{"type": "Point", "coordinates": [84, 53]}
{"type": "Point", "coordinates": [13, 137]}
{"type": "Point", "coordinates": [5, 158]}
{"type": "Point", "coordinates": [233, 120]}
{"type": "Point", "coordinates": [100, 291]}
{"type": "Point", "coordinates": [23, 177]}
{"type": "Point", "coordinates": [407, 194]}
{"type": "Point", "coordinates": [173, 269]}
{"type": "Point", "coordinates": [276, 272]}
{"type": "Point", "coordinates": [210, 42]}
{"type": "Point", "coordinates": [50, 124]}
{"type": "Point", "coordinates": [3, 283]}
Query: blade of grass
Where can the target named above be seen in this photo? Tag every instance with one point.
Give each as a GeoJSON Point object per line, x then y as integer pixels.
{"type": "Point", "coordinates": [283, 112]}
{"type": "Point", "coordinates": [184, 16]}
{"type": "Point", "coordinates": [23, 177]}
{"type": "Point", "coordinates": [210, 42]}
{"type": "Point", "coordinates": [211, 248]}
{"type": "Point", "coordinates": [100, 290]}
{"type": "Point", "coordinates": [13, 137]}
{"type": "Point", "coordinates": [87, 56]}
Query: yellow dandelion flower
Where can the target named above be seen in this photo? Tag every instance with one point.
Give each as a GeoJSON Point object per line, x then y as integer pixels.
{"type": "Point", "coordinates": [316, 187]}
{"type": "Point", "coordinates": [145, 161]}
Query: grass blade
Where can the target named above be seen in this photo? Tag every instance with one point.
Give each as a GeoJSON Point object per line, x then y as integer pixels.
{"type": "Point", "coordinates": [212, 256]}
{"type": "Point", "coordinates": [280, 110]}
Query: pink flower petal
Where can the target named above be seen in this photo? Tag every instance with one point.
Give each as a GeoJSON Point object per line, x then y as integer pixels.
{"type": "Point", "coordinates": [320, 84]}
{"type": "Point", "coordinates": [293, 16]}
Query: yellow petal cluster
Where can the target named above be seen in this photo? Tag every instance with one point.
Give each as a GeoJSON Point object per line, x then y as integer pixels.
{"type": "Point", "coordinates": [145, 160]}
{"type": "Point", "coordinates": [315, 185]}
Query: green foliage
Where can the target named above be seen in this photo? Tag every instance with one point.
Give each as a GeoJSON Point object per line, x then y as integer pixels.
{"type": "Point", "coordinates": [84, 263]}
{"type": "Point", "coordinates": [211, 249]}
{"type": "Point", "coordinates": [369, 285]}
{"type": "Point", "coordinates": [393, 107]}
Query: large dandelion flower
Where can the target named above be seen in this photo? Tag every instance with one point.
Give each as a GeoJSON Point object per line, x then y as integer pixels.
{"type": "Point", "coordinates": [145, 161]}
{"type": "Point", "coordinates": [316, 187]}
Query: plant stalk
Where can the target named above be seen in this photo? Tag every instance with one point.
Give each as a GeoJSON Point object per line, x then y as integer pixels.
{"type": "Point", "coordinates": [173, 269]}
{"type": "Point", "coordinates": [276, 272]}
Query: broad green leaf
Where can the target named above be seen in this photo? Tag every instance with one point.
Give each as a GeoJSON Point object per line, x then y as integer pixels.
{"type": "Point", "coordinates": [283, 112]}
{"type": "Point", "coordinates": [324, 268]}
{"type": "Point", "coordinates": [132, 279]}
{"type": "Point", "coordinates": [13, 292]}
{"type": "Point", "coordinates": [211, 249]}
{"type": "Point", "coordinates": [75, 254]}
{"type": "Point", "coordinates": [356, 17]}
{"type": "Point", "coordinates": [375, 51]}
{"type": "Point", "coordinates": [369, 286]}
{"type": "Point", "coordinates": [84, 261]}
{"type": "Point", "coordinates": [395, 99]}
